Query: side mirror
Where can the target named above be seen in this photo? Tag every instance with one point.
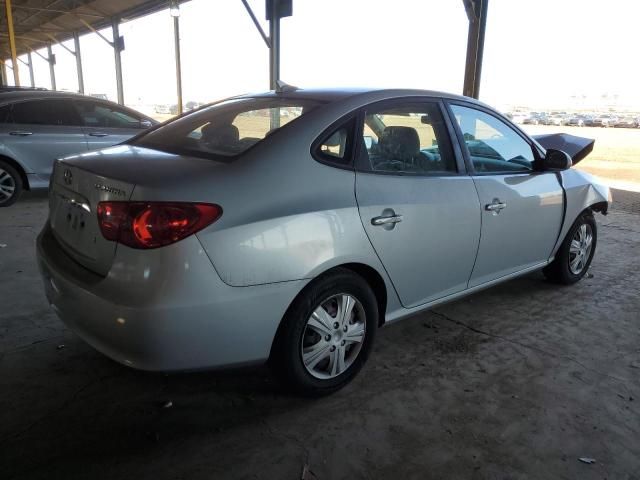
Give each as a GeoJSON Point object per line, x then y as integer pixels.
{"type": "Point", "coordinates": [145, 123]}
{"type": "Point", "coordinates": [556, 160]}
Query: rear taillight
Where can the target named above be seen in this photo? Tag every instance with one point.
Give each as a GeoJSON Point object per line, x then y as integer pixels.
{"type": "Point", "coordinates": [153, 224]}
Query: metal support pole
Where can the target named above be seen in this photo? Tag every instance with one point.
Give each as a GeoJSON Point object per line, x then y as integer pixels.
{"type": "Point", "coordinates": [76, 48]}
{"type": "Point", "coordinates": [117, 47]}
{"type": "Point", "coordinates": [31, 79]}
{"type": "Point", "coordinates": [176, 39]}
{"type": "Point", "coordinates": [12, 42]}
{"type": "Point", "coordinates": [477, 13]}
{"type": "Point", "coordinates": [274, 48]}
{"type": "Point", "coordinates": [3, 73]}
{"type": "Point", "coordinates": [52, 70]}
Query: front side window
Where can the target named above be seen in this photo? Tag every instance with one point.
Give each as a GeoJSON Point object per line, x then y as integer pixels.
{"type": "Point", "coordinates": [226, 129]}
{"type": "Point", "coordinates": [96, 114]}
{"type": "Point", "coordinates": [45, 112]}
{"type": "Point", "coordinates": [407, 138]}
{"type": "Point", "coordinates": [493, 146]}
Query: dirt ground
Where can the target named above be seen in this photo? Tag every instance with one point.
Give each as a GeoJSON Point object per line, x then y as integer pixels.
{"type": "Point", "coordinates": [516, 382]}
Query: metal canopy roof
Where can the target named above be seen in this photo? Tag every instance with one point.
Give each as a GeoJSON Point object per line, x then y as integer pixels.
{"type": "Point", "coordinates": [39, 22]}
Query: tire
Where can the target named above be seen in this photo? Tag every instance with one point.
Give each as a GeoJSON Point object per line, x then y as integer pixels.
{"type": "Point", "coordinates": [322, 343]}
{"type": "Point", "coordinates": [10, 184]}
{"type": "Point", "coordinates": [562, 270]}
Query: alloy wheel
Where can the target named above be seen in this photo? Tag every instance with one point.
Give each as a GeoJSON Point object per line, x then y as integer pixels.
{"type": "Point", "coordinates": [7, 185]}
{"type": "Point", "coordinates": [580, 248]}
{"type": "Point", "coordinates": [333, 336]}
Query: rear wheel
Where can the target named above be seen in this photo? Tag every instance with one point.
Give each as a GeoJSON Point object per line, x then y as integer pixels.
{"type": "Point", "coordinates": [326, 334]}
{"type": "Point", "coordinates": [576, 252]}
{"type": "Point", "coordinates": [10, 184]}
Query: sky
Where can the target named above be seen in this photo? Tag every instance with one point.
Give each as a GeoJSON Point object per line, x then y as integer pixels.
{"type": "Point", "coordinates": [548, 53]}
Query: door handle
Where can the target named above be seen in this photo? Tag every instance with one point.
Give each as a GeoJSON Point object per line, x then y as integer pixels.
{"type": "Point", "coordinates": [495, 206]}
{"type": "Point", "coordinates": [98, 134]}
{"type": "Point", "coordinates": [386, 220]}
{"type": "Point", "coordinates": [21, 133]}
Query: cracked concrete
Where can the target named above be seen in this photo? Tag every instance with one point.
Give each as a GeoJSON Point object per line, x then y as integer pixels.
{"type": "Point", "coordinates": [517, 381]}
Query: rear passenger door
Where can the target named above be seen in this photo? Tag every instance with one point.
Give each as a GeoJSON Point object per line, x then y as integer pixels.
{"type": "Point", "coordinates": [37, 132]}
{"type": "Point", "coordinates": [107, 124]}
{"type": "Point", "coordinates": [418, 206]}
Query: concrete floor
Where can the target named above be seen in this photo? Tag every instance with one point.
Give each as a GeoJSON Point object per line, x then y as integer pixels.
{"type": "Point", "coordinates": [515, 382]}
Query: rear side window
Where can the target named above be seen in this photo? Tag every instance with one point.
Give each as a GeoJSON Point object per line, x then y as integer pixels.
{"type": "Point", "coordinates": [97, 114]}
{"type": "Point", "coordinates": [335, 146]}
{"type": "Point", "coordinates": [45, 112]}
{"type": "Point", "coordinates": [227, 129]}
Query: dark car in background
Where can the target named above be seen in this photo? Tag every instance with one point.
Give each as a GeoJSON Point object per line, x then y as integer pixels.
{"type": "Point", "coordinates": [39, 126]}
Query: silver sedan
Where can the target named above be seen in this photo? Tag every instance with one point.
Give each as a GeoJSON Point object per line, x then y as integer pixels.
{"type": "Point", "coordinates": [290, 226]}
{"type": "Point", "coordinates": [37, 126]}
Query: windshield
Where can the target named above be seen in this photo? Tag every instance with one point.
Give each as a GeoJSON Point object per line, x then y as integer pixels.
{"type": "Point", "coordinates": [226, 129]}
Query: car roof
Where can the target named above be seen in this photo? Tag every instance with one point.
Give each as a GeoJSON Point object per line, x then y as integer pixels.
{"type": "Point", "coordinates": [19, 95]}
{"type": "Point", "coordinates": [336, 94]}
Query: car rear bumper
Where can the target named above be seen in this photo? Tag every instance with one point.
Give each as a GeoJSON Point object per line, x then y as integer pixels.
{"type": "Point", "coordinates": [164, 309]}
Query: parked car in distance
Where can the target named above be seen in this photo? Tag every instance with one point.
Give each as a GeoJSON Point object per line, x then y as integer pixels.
{"type": "Point", "coordinates": [37, 127]}
{"type": "Point", "coordinates": [576, 121]}
{"type": "Point", "coordinates": [604, 121]}
{"type": "Point", "coordinates": [555, 120]}
{"type": "Point", "coordinates": [627, 122]}
{"type": "Point", "coordinates": [233, 234]}
{"type": "Point", "coordinates": [518, 117]}
{"type": "Point", "coordinates": [533, 119]}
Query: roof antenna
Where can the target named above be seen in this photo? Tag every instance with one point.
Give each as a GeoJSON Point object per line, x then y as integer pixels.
{"type": "Point", "coordinates": [282, 87]}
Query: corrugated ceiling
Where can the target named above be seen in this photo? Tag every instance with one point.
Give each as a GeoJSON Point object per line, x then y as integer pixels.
{"type": "Point", "coordinates": [35, 22]}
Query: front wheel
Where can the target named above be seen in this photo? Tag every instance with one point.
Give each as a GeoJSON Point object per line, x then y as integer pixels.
{"type": "Point", "coordinates": [326, 334]}
{"type": "Point", "coordinates": [576, 252]}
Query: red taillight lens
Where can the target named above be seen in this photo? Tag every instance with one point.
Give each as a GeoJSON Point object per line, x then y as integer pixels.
{"type": "Point", "coordinates": [153, 224]}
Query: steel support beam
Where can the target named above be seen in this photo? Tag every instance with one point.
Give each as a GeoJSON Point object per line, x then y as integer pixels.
{"type": "Point", "coordinates": [256, 23]}
{"type": "Point", "coordinates": [3, 73]}
{"type": "Point", "coordinates": [117, 48]}
{"type": "Point", "coordinates": [274, 45]}
{"type": "Point", "coordinates": [176, 39]}
{"type": "Point", "coordinates": [52, 71]}
{"type": "Point", "coordinates": [31, 78]}
{"type": "Point", "coordinates": [12, 42]}
{"type": "Point", "coordinates": [477, 13]}
{"type": "Point", "coordinates": [76, 48]}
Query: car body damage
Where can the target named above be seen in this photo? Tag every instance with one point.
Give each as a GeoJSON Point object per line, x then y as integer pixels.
{"type": "Point", "coordinates": [576, 147]}
{"type": "Point", "coordinates": [582, 191]}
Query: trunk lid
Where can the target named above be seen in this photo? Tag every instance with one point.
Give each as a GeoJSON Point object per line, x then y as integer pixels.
{"type": "Point", "coordinates": [73, 200]}
{"type": "Point", "coordinates": [80, 182]}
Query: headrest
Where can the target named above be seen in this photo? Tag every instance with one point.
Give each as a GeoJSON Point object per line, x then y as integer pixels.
{"type": "Point", "coordinates": [400, 140]}
{"type": "Point", "coordinates": [219, 134]}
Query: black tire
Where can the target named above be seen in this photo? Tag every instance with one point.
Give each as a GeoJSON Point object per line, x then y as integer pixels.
{"type": "Point", "coordinates": [286, 356]}
{"type": "Point", "coordinates": [14, 180]}
{"type": "Point", "coordinates": [559, 270]}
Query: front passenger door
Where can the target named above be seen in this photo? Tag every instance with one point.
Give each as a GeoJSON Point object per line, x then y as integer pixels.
{"type": "Point", "coordinates": [522, 208]}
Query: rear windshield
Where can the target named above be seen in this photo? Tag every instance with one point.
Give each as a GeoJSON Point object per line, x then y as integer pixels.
{"type": "Point", "coordinates": [226, 129]}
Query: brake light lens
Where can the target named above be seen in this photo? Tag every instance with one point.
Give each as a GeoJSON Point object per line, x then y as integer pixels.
{"type": "Point", "coordinates": [154, 224]}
